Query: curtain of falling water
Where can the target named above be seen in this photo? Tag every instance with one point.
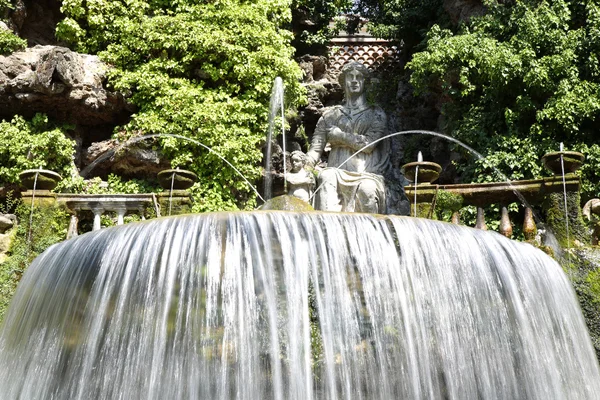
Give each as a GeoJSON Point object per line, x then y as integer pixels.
{"type": "Point", "coordinates": [289, 306]}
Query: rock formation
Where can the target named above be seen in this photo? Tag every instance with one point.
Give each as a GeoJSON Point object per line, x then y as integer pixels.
{"type": "Point", "coordinates": [65, 85]}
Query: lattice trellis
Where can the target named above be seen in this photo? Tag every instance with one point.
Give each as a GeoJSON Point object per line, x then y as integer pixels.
{"type": "Point", "coordinates": [377, 55]}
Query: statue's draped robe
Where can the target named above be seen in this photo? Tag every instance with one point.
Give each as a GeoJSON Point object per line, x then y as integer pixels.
{"type": "Point", "coordinates": [362, 126]}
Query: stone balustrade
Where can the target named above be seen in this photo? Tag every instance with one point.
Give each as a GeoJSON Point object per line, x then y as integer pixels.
{"type": "Point", "coordinates": [99, 204]}
{"type": "Point", "coordinates": [546, 195]}
{"type": "Point", "coordinates": [171, 202]}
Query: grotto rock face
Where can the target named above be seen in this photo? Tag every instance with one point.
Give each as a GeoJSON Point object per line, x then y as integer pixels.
{"type": "Point", "coordinates": [61, 83]}
{"type": "Point", "coordinates": [139, 160]}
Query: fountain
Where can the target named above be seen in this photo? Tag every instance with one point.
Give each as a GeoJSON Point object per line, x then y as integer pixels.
{"type": "Point", "coordinates": [296, 305]}
{"type": "Point", "coordinates": [38, 180]}
{"type": "Point", "coordinates": [275, 106]}
{"type": "Point", "coordinates": [421, 172]}
{"type": "Point", "coordinates": [275, 305]}
{"type": "Point", "coordinates": [176, 179]}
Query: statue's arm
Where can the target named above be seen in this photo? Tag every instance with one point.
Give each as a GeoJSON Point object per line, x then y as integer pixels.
{"type": "Point", "coordinates": [301, 178]}
{"type": "Point", "coordinates": [376, 129]}
{"type": "Point", "coordinates": [319, 140]}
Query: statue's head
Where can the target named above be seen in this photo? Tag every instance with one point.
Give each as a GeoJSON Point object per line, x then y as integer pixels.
{"type": "Point", "coordinates": [352, 71]}
{"type": "Point", "coordinates": [298, 160]}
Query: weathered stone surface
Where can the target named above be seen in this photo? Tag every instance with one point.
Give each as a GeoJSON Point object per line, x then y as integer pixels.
{"type": "Point", "coordinates": [138, 160]}
{"type": "Point", "coordinates": [314, 67]}
{"type": "Point", "coordinates": [176, 179]}
{"type": "Point", "coordinates": [5, 240]}
{"type": "Point", "coordinates": [6, 222]}
{"type": "Point", "coordinates": [61, 83]}
{"type": "Point", "coordinates": [34, 20]}
{"type": "Point", "coordinates": [18, 14]}
{"type": "Point", "coordinates": [286, 203]}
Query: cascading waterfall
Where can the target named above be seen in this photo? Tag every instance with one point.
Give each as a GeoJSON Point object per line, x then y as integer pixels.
{"type": "Point", "coordinates": [275, 305]}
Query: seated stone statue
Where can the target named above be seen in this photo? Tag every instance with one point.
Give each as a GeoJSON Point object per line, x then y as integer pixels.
{"type": "Point", "coordinates": [301, 182]}
{"type": "Point", "coordinates": [358, 185]}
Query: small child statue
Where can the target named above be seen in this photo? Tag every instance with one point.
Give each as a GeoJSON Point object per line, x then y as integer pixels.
{"type": "Point", "coordinates": [301, 183]}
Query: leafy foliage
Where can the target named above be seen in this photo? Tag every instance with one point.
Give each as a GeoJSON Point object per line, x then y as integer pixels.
{"type": "Point", "coordinates": [48, 226]}
{"type": "Point", "coordinates": [34, 144]}
{"type": "Point", "coordinates": [311, 21]}
{"type": "Point", "coordinates": [113, 185]}
{"type": "Point", "coordinates": [10, 42]}
{"type": "Point", "coordinates": [517, 82]}
{"type": "Point", "coordinates": [405, 20]}
{"type": "Point", "coordinates": [198, 69]}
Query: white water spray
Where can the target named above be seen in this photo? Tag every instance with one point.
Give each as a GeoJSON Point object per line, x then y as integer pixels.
{"type": "Point", "coordinates": [260, 305]}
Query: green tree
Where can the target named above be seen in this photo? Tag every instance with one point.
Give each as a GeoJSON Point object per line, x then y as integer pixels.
{"type": "Point", "coordinates": [517, 81]}
{"type": "Point", "coordinates": [34, 144]}
{"type": "Point", "coordinates": [402, 20]}
{"type": "Point", "coordinates": [203, 70]}
{"type": "Point", "coordinates": [314, 22]}
{"type": "Point", "coordinates": [9, 42]}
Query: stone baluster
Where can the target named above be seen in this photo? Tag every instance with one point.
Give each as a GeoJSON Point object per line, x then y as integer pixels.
{"type": "Point", "coordinates": [141, 211]}
{"type": "Point", "coordinates": [98, 211]}
{"type": "Point", "coordinates": [529, 227]}
{"type": "Point", "coordinates": [120, 210]}
{"type": "Point", "coordinates": [505, 228]}
{"type": "Point", "coordinates": [480, 221]}
{"type": "Point", "coordinates": [73, 223]}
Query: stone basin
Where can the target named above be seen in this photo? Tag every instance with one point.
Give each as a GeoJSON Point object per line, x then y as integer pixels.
{"type": "Point", "coordinates": [46, 179]}
{"type": "Point", "coordinates": [428, 171]}
{"type": "Point", "coordinates": [182, 180]}
{"type": "Point", "coordinates": [572, 161]}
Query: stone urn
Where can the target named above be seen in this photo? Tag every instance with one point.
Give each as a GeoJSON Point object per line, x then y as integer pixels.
{"type": "Point", "coordinates": [178, 179]}
{"type": "Point", "coordinates": [572, 161]}
{"type": "Point", "coordinates": [428, 171]}
{"type": "Point", "coordinates": [46, 179]}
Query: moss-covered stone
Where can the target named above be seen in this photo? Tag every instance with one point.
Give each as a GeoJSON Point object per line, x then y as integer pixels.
{"type": "Point", "coordinates": [424, 210]}
{"type": "Point", "coordinates": [446, 200]}
{"type": "Point", "coordinates": [40, 198]}
{"type": "Point", "coordinates": [287, 203]}
{"type": "Point", "coordinates": [176, 203]}
{"type": "Point", "coordinates": [583, 268]}
{"type": "Point", "coordinates": [554, 212]}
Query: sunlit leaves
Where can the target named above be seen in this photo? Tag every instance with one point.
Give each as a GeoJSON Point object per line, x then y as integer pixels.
{"type": "Point", "coordinates": [34, 144]}
{"type": "Point", "coordinates": [527, 70]}
{"type": "Point", "coordinates": [203, 70]}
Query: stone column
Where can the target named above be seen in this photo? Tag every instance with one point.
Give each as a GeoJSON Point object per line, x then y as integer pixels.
{"type": "Point", "coordinates": [120, 210]}
{"type": "Point", "coordinates": [141, 211]}
{"type": "Point", "coordinates": [480, 221]}
{"type": "Point", "coordinates": [98, 211]}
{"type": "Point", "coordinates": [529, 227]}
{"type": "Point", "coordinates": [505, 228]}
{"type": "Point", "coordinates": [72, 231]}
